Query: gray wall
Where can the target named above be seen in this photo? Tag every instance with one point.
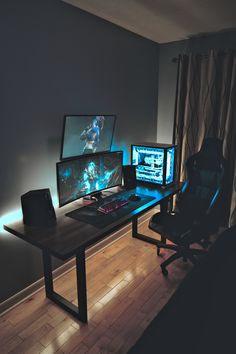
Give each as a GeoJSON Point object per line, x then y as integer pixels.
{"type": "Point", "coordinates": [56, 59]}
{"type": "Point", "coordinates": [168, 74]}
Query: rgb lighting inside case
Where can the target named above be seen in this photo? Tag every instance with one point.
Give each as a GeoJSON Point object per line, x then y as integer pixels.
{"type": "Point", "coordinates": [155, 163]}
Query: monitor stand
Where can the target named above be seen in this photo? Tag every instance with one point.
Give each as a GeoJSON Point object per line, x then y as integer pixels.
{"type": "Point", "coordinates": [93, 196]}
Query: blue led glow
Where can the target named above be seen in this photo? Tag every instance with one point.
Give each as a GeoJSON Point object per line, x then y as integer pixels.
{"type": "Point", "coordinates": [16, 215]}
{"type": "Point", "coordinates": [67, 173]}
{"type": "Point", "coordinates": [170, 165]}
{"type": "Point", "coordinates": [126, 152]}
{"type": "Point", "coordinates": [149, 162]}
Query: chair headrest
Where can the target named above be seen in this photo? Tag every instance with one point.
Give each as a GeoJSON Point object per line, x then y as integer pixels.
{"type": "Point", "coordinates": [210, 156]}
{"type": "Point", "coordinates": [212, 147]}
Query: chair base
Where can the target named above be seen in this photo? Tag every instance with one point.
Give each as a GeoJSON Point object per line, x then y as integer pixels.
{"type": "Point", "coordinates": [184, 252]}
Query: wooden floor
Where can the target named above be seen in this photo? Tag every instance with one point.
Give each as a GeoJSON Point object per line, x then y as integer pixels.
{"type": "Point", "coordinates": [126, 290]}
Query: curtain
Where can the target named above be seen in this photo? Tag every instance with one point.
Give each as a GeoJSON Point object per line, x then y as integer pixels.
{"type": "Point", "coordinates": [206, 107]}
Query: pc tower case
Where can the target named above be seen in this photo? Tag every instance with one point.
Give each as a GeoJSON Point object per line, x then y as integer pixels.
{"type": "Point", "coordinates": [155, 163]}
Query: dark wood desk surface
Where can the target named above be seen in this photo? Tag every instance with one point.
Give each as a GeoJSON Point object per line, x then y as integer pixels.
{"type": "Point", "coordinates": [69, 236]}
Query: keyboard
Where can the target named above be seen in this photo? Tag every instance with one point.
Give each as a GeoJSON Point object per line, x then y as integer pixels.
{"type": "Point", "coordinates": [113, 205]}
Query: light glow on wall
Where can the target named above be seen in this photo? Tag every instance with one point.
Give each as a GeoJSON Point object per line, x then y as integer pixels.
{"type": "Point", "coordinates": [16, 215]}
{"type": "Point", "coordinates": [126, 152]}
{"type": "Point", "coordinates": [55, 201]}
{"type": "Point", "coordinates": [9, 218]}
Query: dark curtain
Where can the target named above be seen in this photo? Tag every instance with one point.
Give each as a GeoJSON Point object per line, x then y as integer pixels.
{"type": "Point", "coordinates": [206, 107]}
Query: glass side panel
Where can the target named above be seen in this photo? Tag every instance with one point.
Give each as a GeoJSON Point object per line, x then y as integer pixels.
{"type": "Point", "coordinates": [149, 162]}
{"type": "Point", "coordinates": [170, 165]}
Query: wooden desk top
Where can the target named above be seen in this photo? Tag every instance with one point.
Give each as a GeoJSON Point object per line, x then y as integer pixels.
{"type": "Point", "coordinates": [68, 235]}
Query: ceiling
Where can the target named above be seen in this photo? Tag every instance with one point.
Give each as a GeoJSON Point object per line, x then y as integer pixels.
{"type": "Point", "coordinates": [164, 21]}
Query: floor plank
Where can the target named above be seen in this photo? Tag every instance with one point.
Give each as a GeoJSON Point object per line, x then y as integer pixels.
{"type": "Point", "coordinates": [126, 290]}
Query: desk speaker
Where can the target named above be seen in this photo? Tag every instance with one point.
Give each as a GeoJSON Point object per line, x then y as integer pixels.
{"type": "Point", "coordinates": [37, 208]}
{"type": "Point", "coordinates": [129, 176]}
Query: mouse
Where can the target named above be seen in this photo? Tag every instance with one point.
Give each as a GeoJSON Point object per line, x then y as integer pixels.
{"type": "Point", "coordinates": [134, 197]}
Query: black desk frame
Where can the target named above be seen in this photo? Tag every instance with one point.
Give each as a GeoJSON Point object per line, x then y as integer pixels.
{"type": "Point", "coordinates": [80, 311]}
{"type": "Point", "coordinates": [164, 206]}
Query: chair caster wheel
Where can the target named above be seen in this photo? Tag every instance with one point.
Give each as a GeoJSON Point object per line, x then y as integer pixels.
{"type": "Point", "coordinates": [164, 271]}
{"type": "Point", "coordinates": [158, 251]}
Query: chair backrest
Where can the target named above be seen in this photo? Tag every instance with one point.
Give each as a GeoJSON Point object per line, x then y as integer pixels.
{"type": "Point", "coordinates": [205, 183]}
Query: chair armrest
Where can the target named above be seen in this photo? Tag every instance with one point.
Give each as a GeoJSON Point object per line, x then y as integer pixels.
{"type": "Point", "coordinates": [181, 192]}
{"type": "Point", "coordinates": [214, 200]}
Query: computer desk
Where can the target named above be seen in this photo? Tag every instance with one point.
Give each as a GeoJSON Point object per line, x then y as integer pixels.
{"type": "Point", "coordinates": [70, 238]}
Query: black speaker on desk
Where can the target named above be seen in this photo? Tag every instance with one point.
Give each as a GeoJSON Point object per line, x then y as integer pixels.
{"type": "Point", "coordinates": [129, 176]}
{"type": "Point", "coordinates": [37, 208]}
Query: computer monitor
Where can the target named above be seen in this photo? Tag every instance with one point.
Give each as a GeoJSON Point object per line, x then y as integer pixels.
{"type": "Point", "coordinates": [86, 134]}
{"type": "Point", "coordinates": [155, 163]}
{"type": "Point", "coordinates": [88, 174]}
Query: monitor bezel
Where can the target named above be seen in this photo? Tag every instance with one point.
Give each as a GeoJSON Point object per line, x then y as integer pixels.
{"type": "Point", "coordinates": [87, 116]}
{"type": "Point", "coordinates": [79, 158]}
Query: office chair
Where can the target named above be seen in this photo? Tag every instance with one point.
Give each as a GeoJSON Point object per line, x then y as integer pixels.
{"type": "Point", "coordinates": [197, 213]}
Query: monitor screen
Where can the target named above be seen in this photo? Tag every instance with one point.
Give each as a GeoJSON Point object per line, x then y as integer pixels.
{"type": "Point", "coordinates": [88, 174]}
{"type": "Point", "coordinates": [86, 134]}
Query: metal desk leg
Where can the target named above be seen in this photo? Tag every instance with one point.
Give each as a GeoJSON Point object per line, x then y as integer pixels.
{"type": "Point", "coordinates": [80, 311]}
{"type": "Point", "coordinates": [134, 226]}
{"type": "Point", "coordinates": [166, 205]}
{"type": "Point", "coordinates": [139, 236]}
{"type": "Point", "coordinates": [48, 279]}
{"type": "Point", "coordinates": [81, 285]}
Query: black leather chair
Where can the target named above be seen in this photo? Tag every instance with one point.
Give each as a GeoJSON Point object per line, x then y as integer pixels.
{"type": "Point", "coordinates": [199, 318]}
{"type": "Point", "coordinates": [198, 208]}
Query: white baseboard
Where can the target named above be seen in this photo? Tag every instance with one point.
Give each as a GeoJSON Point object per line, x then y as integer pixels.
{"type": "Point", "coordinates": [22, 295]}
